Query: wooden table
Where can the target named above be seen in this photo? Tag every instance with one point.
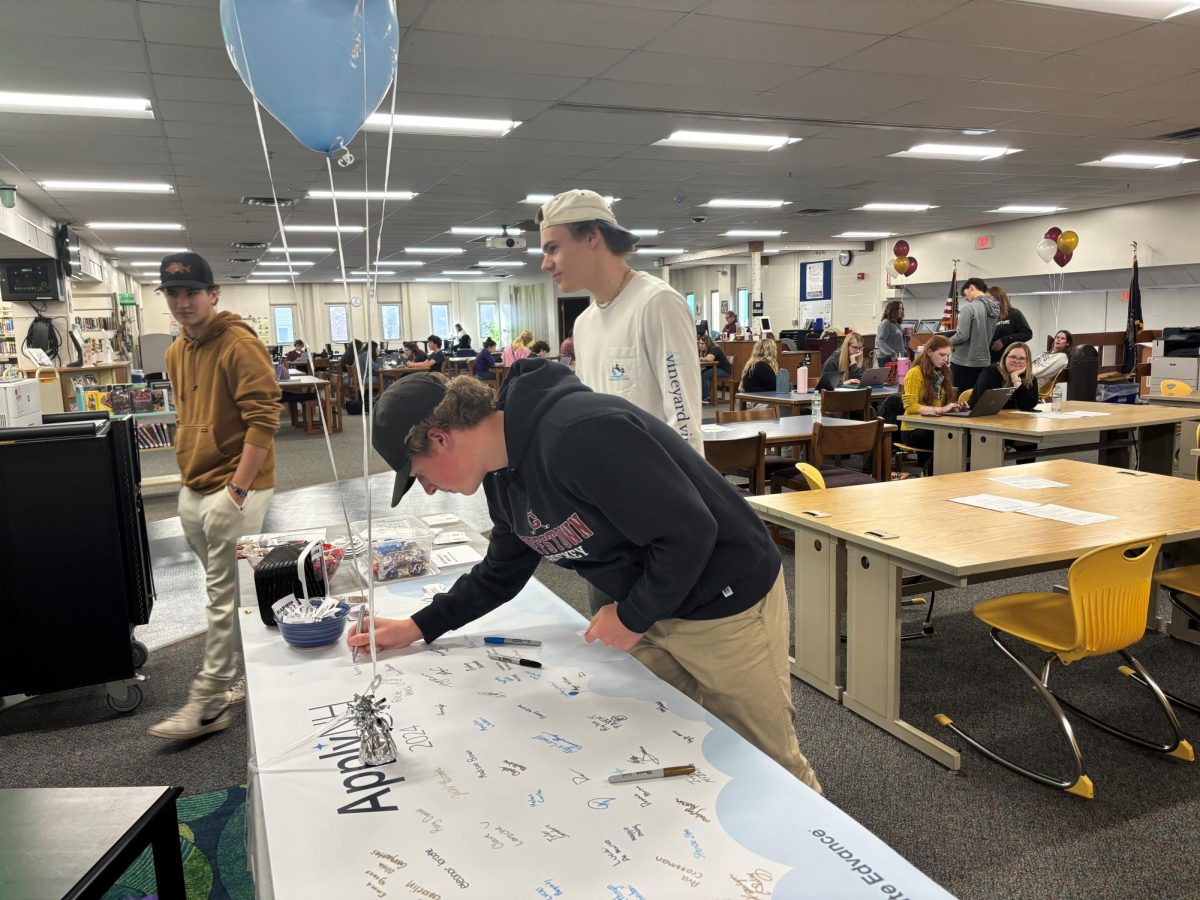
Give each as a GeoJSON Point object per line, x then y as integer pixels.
{"type": "Point", "coordinates": [76, 842]}
{"type": "Point", "coordinates": [794, 401]}
{"type": "Point", "coordinates": [795, 431]}
{"type": "Point", "coordinates": [848, 566]}
{"type": "Point", "coordinates": [321, 387]}
{"type": "Point", "coordinates": [104, 373]}
{"type": "Point", "coordinates": [394, 373]}
{"type": "Point", "coordinates": [1150, 428]}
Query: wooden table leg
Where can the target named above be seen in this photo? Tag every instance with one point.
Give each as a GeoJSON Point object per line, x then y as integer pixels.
{"type": "Point", "coordinates": [820, 601]}
{"type": "Point", "coordinates": [883, 458]}
{"type": "Point", "coordinates": [949, 451]}
{"type": "Point", "coordinates": [987, 450]}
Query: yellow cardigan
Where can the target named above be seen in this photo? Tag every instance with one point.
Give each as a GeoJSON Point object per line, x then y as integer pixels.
{"type": "Point", "coordinates": [914, 387]}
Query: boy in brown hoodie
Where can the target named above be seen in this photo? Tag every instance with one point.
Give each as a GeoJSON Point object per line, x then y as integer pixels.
{"type": "Point", "coordinates": [227, 413]}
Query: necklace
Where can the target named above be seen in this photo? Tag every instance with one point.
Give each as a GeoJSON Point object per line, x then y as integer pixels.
{"type": "Point", "coordinates": [625, 279]}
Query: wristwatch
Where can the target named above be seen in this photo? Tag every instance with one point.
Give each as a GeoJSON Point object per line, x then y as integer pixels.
{"type": "Point", "coordinates": [238, 492]}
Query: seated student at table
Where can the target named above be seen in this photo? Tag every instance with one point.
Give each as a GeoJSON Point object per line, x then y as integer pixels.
{"type": "Point", "coordinates": [539, 348]}
{"type": "Point", "coordinates": [592, 483]}
{"type": "Point", "coordinates": [1013, 371]}
{"type": "Point", "coordinates": [484, 364]}
{"type": "Point", "coordinates": [436, 357]}
{"type": "Point", "coordinates": [412, 353]}
{"type": "Point", "coordinates": [762, 368]}
{"type": "Point", "coordinates": [1047, 365]}
{"type": "Point", "coordinates": [566, 350]}
{"type": "Point", "coordinates": [928, 389]}
{"type": "Point", "coordinates": [731, 324]}
{"type": "Point", "coordinates": [462, 340]}
{"type": "Point", "coordinates": [462, 346]}
{"type": "Point", "coordinates": [298, 355]}
{"type": "Point", "coordinates": [711, 352]}
{"type": "Point", "coordinates": [518, 349]}
{"type": "Point", "coordinates": [848, 363]}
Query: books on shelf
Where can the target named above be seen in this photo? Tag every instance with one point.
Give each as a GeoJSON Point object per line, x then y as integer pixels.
{"type": "Point", "coordinates": [153, 435]}
{"type": "Point", "coordinates": [120, 398]}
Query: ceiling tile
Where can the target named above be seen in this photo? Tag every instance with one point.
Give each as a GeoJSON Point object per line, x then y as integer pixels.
{"type": "Point", "coordinates": [693, 70]}
{"type": "Point", "coordinates": [660, 96]}
{"type": "Point", "coordinates": [845, 15]}
{"type": "Point", "coordinates": [194, 27]}
{"type": "Point", "coordinates": [203, 62]}
{"type": "Point", "coordinates": [100, 19]}
{"type": "Point", "coordinates": [949, 59]}
{"type": "Point", "coordinates": [733, 39]}
{"type": "Point", "coordinates": [578, 24]}
{"type": "Point", "coordinates": [1022, 26]}
{"type": "Point", "coordinates": [434, 48]}
{"type": "Point", "coordinates": [1157, 44]}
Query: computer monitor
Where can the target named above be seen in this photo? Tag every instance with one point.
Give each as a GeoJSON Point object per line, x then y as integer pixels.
{"type": "Point", "coordinates": [908, 326]}
{"type": "Point", "coordinates": [927, 326]}
{"type": "Point", "coordinates": [763, 325]}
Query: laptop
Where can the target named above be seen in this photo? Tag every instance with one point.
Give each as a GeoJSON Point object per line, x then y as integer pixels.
{"type": "Point", "coordinates": [873, 377]}
{"type": "Point", "coordinates": [989, 404]}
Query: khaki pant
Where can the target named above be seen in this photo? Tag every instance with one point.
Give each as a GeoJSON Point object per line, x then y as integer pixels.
{"type": "Point", "coordinates": [212, 524]}
{"type": "Point", "coordinates": [737, 669]}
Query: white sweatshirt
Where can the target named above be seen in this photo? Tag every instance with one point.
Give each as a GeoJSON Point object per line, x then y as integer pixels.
{"type": "Point", "coordinates": [642, 346]}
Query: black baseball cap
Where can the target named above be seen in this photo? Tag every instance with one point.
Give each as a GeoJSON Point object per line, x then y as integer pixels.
{"type": "Point", "coordinates": [189, 270]}
{"type": "Point", "coordinates": [401, 408]}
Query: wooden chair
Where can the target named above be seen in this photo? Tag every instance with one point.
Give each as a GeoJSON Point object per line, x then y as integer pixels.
{"type": "Point", "coordinates": [902, 454]}
{"type": "Point", "coordinates": [774, 461]}
{"type": "Point", "coordinates": [729, 383]}
{"type": "Point", "coordinates": [831, 442]}
{"type": "Point", "coordinates": [742, 458]}
{"type": "Point", "coordinates": [847, 404]}
{"type": "Point", "coordinates": [1104, 611]}
{"type": "Point", "coordinates": [312, 416]}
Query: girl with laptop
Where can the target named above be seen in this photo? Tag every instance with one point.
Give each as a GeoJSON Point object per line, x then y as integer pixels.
{"type": "Point", "coordinates": [1015, 371]}
{"type": "Point", "coordinates": [928, 391]}
{"type": "Point", "coordinates": [849, 361]}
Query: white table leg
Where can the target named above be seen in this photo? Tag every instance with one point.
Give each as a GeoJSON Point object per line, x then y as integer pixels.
{"type": "Point", "coordinates": [820, 601]}
{"type": "Point", "coordinates": [949, 451]}
{"type": "Point", "coordinates": [873, 651]}
{"type": "Point", "coordinates": [1188, 463]}
{"type": "Point", "coordinates": [987, 451]}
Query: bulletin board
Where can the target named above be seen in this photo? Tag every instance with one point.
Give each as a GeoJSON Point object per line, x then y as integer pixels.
{"type": "Point", "coordinates": [816, 280]}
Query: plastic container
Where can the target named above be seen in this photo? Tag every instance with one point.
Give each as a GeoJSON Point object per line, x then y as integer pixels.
{"type": "Point", "coordinates": [1117, 392]}
{"type": "Point", "coordinates": [307, 635]}
{"type": "Point", "coordinates": [401, 547]}
{"type": "Point", "coordinates": [816, 406]}
{"type": "Point", "coordinates": [802, 379]}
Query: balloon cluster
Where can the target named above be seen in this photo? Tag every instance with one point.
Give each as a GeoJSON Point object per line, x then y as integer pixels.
{"type": "Point", "coordinates": [1057, 245]}
{"type": "Point", "coordinates": [903, 263]}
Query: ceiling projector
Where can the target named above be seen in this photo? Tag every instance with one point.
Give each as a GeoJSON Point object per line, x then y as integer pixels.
{"type": "Point", "coordinates": [505, 243]}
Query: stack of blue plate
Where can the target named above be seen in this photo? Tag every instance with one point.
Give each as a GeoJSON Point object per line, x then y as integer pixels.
{"type": "Point", "coordinates": [316, 634]}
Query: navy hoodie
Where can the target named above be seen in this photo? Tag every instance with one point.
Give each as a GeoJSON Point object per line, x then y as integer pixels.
{"type": "Point", "coordinates": [597, 485]}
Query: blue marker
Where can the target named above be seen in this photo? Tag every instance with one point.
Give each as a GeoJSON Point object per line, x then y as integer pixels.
{"type": "Point", "coordinates": [520, 642]}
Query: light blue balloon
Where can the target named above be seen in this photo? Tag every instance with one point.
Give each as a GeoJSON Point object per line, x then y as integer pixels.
{"type": "Point", "coordinates": [320, 67]}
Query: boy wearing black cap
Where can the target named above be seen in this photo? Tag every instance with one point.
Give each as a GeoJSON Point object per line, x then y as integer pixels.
{"type": "Point", "coordinates": [592, 483]}
{"type": "Point", "coordinates": [227, 413]}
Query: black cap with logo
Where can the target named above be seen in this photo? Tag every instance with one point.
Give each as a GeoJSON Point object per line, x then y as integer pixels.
{"type": "Point", "coordinates": [188, 270]}
{"type": "Point", "coordinates": [397, 412]}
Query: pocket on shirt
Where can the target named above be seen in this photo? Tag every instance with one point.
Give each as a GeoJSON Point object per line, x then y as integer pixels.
{"type": "Point", "coordinates": [623, 371]}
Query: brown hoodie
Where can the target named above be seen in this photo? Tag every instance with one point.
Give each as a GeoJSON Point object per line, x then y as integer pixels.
{"type": "Point", "coordinates": [225, 395]}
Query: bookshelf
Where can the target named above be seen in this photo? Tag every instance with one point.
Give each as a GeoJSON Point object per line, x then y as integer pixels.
{"type": "Point", "coordinates": [8, 336]}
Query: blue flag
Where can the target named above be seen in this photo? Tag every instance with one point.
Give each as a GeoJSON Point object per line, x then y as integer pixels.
{"type": "Point", "coordinates": [1133, 323]}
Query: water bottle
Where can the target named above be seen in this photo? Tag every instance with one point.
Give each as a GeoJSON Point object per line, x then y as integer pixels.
{"type": "Point", "coordinates": [1058, 397]}
{"type": "Point", "coordinates": [816, 406]}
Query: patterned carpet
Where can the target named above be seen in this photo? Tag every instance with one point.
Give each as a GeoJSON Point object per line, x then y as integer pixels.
{"type": "Point", "coordinates": [212, 839]}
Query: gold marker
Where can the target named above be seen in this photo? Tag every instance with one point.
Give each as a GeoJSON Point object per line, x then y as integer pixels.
{"type": "Point", "coordinates": [647, 774]}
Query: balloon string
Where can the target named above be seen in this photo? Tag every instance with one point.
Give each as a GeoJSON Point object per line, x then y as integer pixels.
{"type": "Point", "coordinates": [298, 305]}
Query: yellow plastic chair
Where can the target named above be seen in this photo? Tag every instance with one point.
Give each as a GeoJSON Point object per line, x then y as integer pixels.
{"type": "Point", "coordinates": [1104, 611]}
{"type": "Point", "coordinates": [965, 396]}
{"type": "Point", "coordinates": [1170, 387]}
{"type": "Point", "coordinates": [1046, 391]}
{"type": "Point", "coordinates": [1183, 587]}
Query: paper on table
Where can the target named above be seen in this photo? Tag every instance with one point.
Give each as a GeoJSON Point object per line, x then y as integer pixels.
{"type": "Point", "coordinates": [1026, 482]}
{"type": "Point", "coordinates": [462, 555]}
{"type": "Point", "coordinates": [713, 428]}
{"type": "Point", "coordinates": [439, 519]}
{"type": "Point", "coordinates": [992, 501]}
{"type": "Point", "coordinates": [450, 537]}
{"type": "Point", "coordinates": [1066, 514]}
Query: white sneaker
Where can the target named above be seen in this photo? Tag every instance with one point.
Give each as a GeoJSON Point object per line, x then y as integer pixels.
{"type": "Point", "coordinates": [195, 719]}
{"type": "Point", "coordinates": [236, 692]}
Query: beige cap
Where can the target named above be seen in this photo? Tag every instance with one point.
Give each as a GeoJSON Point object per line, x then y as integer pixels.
{"type": "Point", "coordinates": [576, 206]}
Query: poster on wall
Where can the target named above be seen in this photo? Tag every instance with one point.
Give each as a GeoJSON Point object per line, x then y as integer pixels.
{"type": "Point", "coordinates": [816, 280]}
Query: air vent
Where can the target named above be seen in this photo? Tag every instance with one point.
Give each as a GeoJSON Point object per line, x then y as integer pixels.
{"type": "Point", "coordinates": [241, 259]}
{"type": "Point", "coordinates": [234, 277]}
{"type": "Point", "coordinates": [249, 245]}
{"type": "Point", "coordinates": [811, 211]}
{"type": "Point", "coordinates": [282, 202]}
{"type": "Point", "coordinates": [1186, 136]}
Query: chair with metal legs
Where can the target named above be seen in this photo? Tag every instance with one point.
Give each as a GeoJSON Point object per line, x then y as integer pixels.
{"type": "Point", "coordinates": [1104, 611]}
{"type": "Point", "coordinates": [1183, 587]}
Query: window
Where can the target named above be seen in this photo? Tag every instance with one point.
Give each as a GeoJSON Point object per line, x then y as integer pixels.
{"type": "Point", "coordinates": [439, 319]}
{"type": "Point", "coordinates": [284, 320]}
{"type": "Point", "coordinates": [716, 321]}
{"type": "Point", "coordinates": [489, 322]}
{"type": "Point", "coordinates": [691, 302]}
{"type": "Point", "coordinates": [389, 315]}
{"type": "Point", "coordinates": [743, 305]}
{"type": "Point", "coordinates": [339, 328]}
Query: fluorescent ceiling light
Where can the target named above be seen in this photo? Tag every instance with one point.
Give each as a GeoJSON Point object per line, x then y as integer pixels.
{"type": "Point", "coordinates": [145, 263]}
{"type": "Point", "coordinates": [645, 232]}
{"type": "Point", "coordinates": [76, 105]}
{"type": "Point", "coordinates": [431, 279]}
{"type": "Point", "coordinates": [1139, 161]}
{"type": "Point", "coordinates": [485, 230]}
{"type": "Point", "coordinates": [976, 132]}
{"type": "Point", "coordinates": [273, 273]}
{"type": "Point", "coordinates": [1020, 208]}
{"type": "Point", "coordinates": [282, 262]}
{"type": "Point", "coordinates": [398, 264]}
{"type": "Point", "coordinates": [537, 250]}
{"type": "Point", "coordinates": [134, 226]}
{"type": "Point", "coordinates": [292, 249]}
{"type": "Point", "coordinates": [361, 195]}
{"type": "Point", "coordinates": [724, 140]}
{"type": "Point", "coordinates": [1140, 9]}
{"type": "Point", "coordinates": [144, 249]}
{"type": "Point", "coordinates": [463, 272]}
{"type": "Point", "coordinates": [737, 203]}
{"type": "Point", "coordinates": [896, 207]}
{"type": "Point", "coordinates": [439, 251]}
{"type": "Point", "coordinates": [265, 281]}
{"type": "Point", "coordinates": [133, 187]}
{"type": "Point", "coordinates": [546, 198]}
{"type": "Point", "coordinates": [509, 263]}
{"type": "Point", "coordinates": [345, 229]}
{"type": "Point", "coordinates": [956, 151]}
{"type": "Point", "coordinates": [753, 232]}
{"type": "Point", "coordinates": [866, 234]}
{"type": "Point", "coordinates": [375, 272]}
{"type": "Point", "coordinates": [442, 125]}
{"type": "Point", "coordinates": [659, 251]}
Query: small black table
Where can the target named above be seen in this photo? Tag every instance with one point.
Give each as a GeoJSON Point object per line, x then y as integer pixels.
{"type": "Point", "coordinates": [76, 842]}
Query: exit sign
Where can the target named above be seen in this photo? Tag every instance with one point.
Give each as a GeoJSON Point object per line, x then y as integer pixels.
{"type": "Point", "coordinates": [983, 242]}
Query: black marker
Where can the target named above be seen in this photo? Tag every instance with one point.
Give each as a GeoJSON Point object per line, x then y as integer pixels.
{"type": "Point", "coordinates": [527, 663]}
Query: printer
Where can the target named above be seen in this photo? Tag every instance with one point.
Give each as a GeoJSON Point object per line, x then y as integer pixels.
{"type": "Point", "coordinates": [20, 403]}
